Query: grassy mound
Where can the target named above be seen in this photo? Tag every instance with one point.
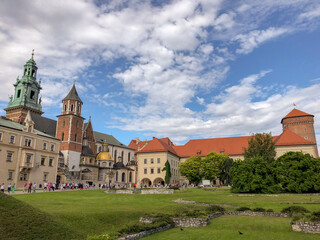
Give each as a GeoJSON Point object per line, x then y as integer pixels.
{"type": "Point", "coordinates": [20, 220]}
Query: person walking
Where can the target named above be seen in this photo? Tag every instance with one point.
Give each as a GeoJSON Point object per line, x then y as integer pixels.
{"type": "Point", "coordinates": [13, 187]}
{"type": "Point", "coordinates": [25, 186]}
{"type": "Point", "coordinates": [34, 187]}
{"type": "Point", "coordinates": [45, 187]}
{"type": "Point", "coordinates": [29, 188]}
{"type": "Point", "coordinates": [9, 188]}
{"type": "Point", "coordinates": [2, 187]}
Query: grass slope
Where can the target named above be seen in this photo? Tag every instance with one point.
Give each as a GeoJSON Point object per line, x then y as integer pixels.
{"type": "Point", "coordinates": [19, 220]}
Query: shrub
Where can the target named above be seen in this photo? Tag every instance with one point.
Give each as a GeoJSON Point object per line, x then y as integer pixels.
{"type": "Point", "coordinates": [258, 209]}
{"type": "Point", "coordinates": [174, 188]}
{"type": "Point", "coordinates": [293, 210]}
{"type": "Point", "coordinates": [214, 209]}
{"type": "Point", "coordinates": [315, 216]}
{"type": "Point", "coordinates": [242, 209]}
{"type": "Point", "coordinates": [269, 210]}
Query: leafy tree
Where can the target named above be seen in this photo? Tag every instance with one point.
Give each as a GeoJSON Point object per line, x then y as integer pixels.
{"type": "Point", "coordinates": [297, 172]}
{"type": "Point", "coordinates": [212, 165]}
{"type": "Point", "coordinates": [253, 176]}
{"type": "Point", "coordinates": [192, 169]}
{"type": "Point", "coordinates": [225, 171]}
{"type": "Point", "coordinates": [168, 172]}
{"type": "Point", "coordinates": [261, 145]}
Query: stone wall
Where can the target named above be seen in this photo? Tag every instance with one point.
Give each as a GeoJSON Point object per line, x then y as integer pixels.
{"type": "Point", "coordinates": [215, 215]}
{"type": "Point", "coordinates": [147, 219]}
{"type": "Point", "coordinates": [307, 227]}
{"type": "Point", "coordinates": [258, 214]}
{"type": "Point", "coordinates": [145, 233]}
{"type": "Point", "coordinates": [190, 222]}
{"type": "Point", "coordinates": [157, 191]}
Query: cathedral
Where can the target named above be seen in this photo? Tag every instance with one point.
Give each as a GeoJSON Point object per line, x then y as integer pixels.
{"type": "Point", "coordinates": [83, 155]}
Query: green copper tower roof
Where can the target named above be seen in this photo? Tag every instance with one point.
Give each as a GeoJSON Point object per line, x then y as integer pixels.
{"type": "Point", "coordinates": [73, 95]}
{"type": "Point", "coordinates": [27, 89]}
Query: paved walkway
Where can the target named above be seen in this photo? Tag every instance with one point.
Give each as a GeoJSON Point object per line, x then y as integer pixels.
{"type": "Point", "coordinates": [41, 191]}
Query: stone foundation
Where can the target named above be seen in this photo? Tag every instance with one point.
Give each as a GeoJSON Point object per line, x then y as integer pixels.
{"type": "Point", "coordinates": [190, 222]}
{"type": "Point", "coordinates": [306, 227]}
{"type": "Point", "coordinates": [145, 233]}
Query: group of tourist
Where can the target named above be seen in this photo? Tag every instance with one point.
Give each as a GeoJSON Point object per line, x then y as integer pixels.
{"type": "Point", "coordinates": [10, 188]}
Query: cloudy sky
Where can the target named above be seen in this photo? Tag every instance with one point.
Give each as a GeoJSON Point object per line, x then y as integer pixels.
{"type": "Point", "coordinates": [179, 69]}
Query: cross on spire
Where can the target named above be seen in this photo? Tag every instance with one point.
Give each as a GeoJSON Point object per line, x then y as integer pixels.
{"type": "Point", "coordinates": [32, 53]}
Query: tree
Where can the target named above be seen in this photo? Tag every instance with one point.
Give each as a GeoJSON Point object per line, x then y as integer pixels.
{"type": "Point", "coordinates": [212, 165]}
{"type": "Point", "coordinates": [261, 145]}
{"type": "Point", "coordinates": [192, 169]}
{"type": "Point", "coordinates": [225, 171]}
{"type": "Point", "coordinates": [167, 168]}
{"type": "Point", "coordinates": [253, 175]}
{"type": "Point", "coordinates": [297, 172]}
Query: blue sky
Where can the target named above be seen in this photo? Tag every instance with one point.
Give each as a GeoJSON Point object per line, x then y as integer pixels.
{"type": "Point", "coordinates": [179, 69]}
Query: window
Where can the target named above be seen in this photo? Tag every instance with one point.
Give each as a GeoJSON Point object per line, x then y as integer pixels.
{"type": "Point", "coordinates": [19, 94]}
{"type": "Point", "coordinates": [123, 178]}
{"type": "Point", "coordinates": [45, 176]}
{"type": "Point", "coordinates": [71, 109]}
{"type": "Point", "coordinates": [145, 161]}
{"type": "Point", "coordinates": [62, 136]}
{"type": "Point", "coordinates": [151, 160]}
{"type": "Point", "coordinates": [32, 95]}
{"type": "Point", "coordinates": [78, 108]}
{"type": "Point", "coordinates": [130, 177]}
{"type": "Point", "coordinates": [145, 171]}
{"type": "Point", "coordinates": [100, 149]}
{"type": "Point", "coordinates": [75, 137]}
{"type": "Point", "coordinates": [65, 107]}
{"type": "Point", "coordinates": [50, 162]}
{"type": "Point", "coordinates": [90, 161]}
{"type": "Point", "coordinates": [159, 170]}
{"type": "Point", "coordinates": [11, 139]}
{"type": "Point", "coordinates": [23, 176]}
{"type": "Point", "coordinates": [10, 173]}
{"type": "Point", "coordinates": [27, 142]}
{"type": "Point", "coordinates": [151, 170]}
{"type": "Point", "coordinates": [9, 157]}
{"type": "Point", "coordinates": [158, 160]}
{"type": "Point", "coordinates": [52, 147]}
{"type": "Point", "coordinates": [43, 160]}
{"type": "Point", "coordinates": [28, 159]}
{"type": "Point", "coordinates": [44, 146]}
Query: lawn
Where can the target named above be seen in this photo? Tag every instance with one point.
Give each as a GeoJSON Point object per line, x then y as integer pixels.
{"type": "Point", "coordinates": [95, 212]}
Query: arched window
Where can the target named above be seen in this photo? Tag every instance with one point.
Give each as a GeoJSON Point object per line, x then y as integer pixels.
{"type": "Point", "coordinates": [123, 179]}
{"type": "Point", "coordinates": [65, 107]}
{"type": "Point", "coordinates": [71, 109]}
{"type": "Point", "coordinates": [117, 176]}
{"type": "Point", "coordinates": [62, 136]}
{"type": "Point", "coordinates": [130, 177]}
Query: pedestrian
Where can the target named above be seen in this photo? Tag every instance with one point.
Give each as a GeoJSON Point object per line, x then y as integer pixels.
{"type": "Point", "coordinates": [9, 188]}
{"type": "Point", "coordinates": [45, 187]}
{"type": "Point", "coordinates": [13, 187]}
{"type": "Point", "coordinates": [34, 187]}
{"type": "Point", "coordinates": [29, 188]}
{"type": "Point", "coordinates": [2, 187]}
{"type": "Point", "coordinates": [25, 186]}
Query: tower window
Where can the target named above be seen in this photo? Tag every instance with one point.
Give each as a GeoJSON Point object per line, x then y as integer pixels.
{"type": "Point", "coordinates": [19, 93]}
{"type": "Point", "coordinates": [71, 108]}
{"type": "Point", "coordinates": [78, 109]}
{"type": "Point", "coordinates": [25, 71]}
{"type": "Point", "coordinates": [75, 137]}
{"type": "Point", "coordinates": [62, 136]}
{"type": "Point", "coordinates": [32, 94]}
{"type": "Point", "coordinates": [65, 107]}
{"type": "Point", "coordinates": [33, 73]}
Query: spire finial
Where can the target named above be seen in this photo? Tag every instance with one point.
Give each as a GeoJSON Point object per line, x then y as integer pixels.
{"type": "Point", "coordinates": [74, 82]}
{"type": "Point", "coordinates": [32, 53]}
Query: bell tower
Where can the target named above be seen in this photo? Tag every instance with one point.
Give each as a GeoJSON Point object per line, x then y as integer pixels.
{"type": "Point", "coordinates": [26, 96]}
{"type": "Point", "coordinates": [70, 129]}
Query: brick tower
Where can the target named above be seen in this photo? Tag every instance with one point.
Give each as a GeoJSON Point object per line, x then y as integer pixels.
{"type": "Point", "coordinates": [26, 96]}
{"type": "Point", "coordinates": [300, 123]}
{"type": "Point", "coordinates": [70, 129]}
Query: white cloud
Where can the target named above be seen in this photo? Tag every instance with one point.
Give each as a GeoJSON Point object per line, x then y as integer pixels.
{"type": "Point", "coordinates": [253, 39]}
{"type": "Point", "coordinates": [311, 14]}
{"type": "Point", "coordinates": [200, 100]}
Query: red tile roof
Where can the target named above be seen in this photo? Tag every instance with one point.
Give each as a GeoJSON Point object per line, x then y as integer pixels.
{"type": "Point", "coordinates": [290, 138]}
{"type": "Point", "coordinates": [136, 146]}
{"type": "Point", "coordinates": [156, 145]}
{"type": "Point", "coordinates": [296, 113]}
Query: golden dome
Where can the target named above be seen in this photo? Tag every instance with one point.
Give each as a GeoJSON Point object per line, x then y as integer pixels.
{"type": "Point", "coordinates": [104, 156]}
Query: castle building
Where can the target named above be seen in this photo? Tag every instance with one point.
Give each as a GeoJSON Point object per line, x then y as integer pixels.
{"type": "Point", "coordinates": [74, 146]}
{"type": "Point", "coordinates": [298, 135]}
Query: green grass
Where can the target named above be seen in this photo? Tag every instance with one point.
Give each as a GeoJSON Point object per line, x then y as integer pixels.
{"type": "Point", "coordinates": [94, 212]}
{"type": "Point", "coordinates": [19, 220]}
{"type": "Point", "coordinates": [226, 228]}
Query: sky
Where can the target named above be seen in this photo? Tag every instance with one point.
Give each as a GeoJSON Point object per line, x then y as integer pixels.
{"type": "Point", "coordinates": [179, 69]}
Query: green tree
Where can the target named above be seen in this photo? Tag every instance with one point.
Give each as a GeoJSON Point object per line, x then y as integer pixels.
{"type": "Point", "coordinates": [192, 169]}
{"type": "Point", "coordinates": [261, 145]}
{"type": "Point", "coordinates": [225, 171]}
{"type": "Point", "coordinates": [167, 168]}
{"type": "Point", "coordinates": [253, 175]}
{"type": "Point", "coordinates": [212, 165]}
{"type": "Point", "coordinates": [297, 172]}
